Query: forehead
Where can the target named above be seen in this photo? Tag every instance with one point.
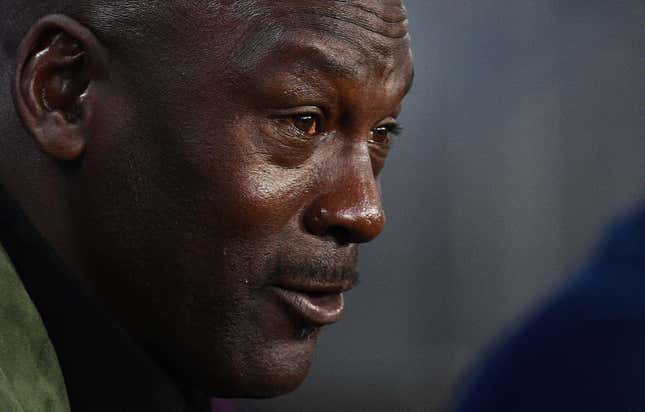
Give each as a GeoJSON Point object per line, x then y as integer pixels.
{"type": "Point", "coordinates": [380, 22]}
{"type": "Point", "coordinates": [343, 37]}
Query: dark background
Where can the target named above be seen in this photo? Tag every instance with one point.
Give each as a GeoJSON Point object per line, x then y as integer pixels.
{"type": "Point", "coordinates": [524, 134]}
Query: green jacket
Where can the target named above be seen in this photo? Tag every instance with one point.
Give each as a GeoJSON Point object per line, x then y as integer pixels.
{"type": "Point", "coordinates": [30, 376]}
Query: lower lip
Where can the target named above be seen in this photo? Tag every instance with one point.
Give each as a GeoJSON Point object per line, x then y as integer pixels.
{"type": "Point", "coordinates": [316, 310]}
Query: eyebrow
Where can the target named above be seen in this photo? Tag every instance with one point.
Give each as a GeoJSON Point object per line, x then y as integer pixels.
{"type": "Point", "coordinates": [320, 58]}
{"type": "Point", "coordinates": [409, 82]}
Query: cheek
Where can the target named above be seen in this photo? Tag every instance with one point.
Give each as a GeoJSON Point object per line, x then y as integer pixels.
{"type": "Point", "coordinates": [270, 196]}
{"type": "Point", "coordinates": [236, 182]}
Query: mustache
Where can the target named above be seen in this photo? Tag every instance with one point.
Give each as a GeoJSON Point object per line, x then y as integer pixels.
{"type": "Point", "coordinates": [329, 268]}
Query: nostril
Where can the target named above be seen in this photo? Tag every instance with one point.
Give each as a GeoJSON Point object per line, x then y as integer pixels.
{"type": "Point", "coordinates": [322, 223]}
{"type": "Point", "coordinates": [340, 234]}
{"type": "Point", "coordinates": [316, 221]}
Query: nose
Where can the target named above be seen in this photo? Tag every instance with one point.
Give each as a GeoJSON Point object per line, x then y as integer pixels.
{"type": "Point", "coordinates": [350, 213]}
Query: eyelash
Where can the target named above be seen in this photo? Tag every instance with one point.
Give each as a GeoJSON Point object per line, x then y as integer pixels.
{"type": "Point", "coordinates": [396, 130]}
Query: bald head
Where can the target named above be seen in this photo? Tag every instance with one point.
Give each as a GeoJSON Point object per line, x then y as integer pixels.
{"type": "Point", "coordinates": [133, 26]}
{"type": "Point", "coordinates": [19, 15]}
{"type": "Point", "coordinates": [101, 16]}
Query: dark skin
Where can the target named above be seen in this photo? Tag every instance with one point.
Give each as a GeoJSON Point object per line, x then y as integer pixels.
{"type": "Point", "coordinates": [190, 182]}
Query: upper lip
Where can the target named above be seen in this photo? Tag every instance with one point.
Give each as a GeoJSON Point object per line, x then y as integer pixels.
{"type": "Point", "coordinates": [315, 286]}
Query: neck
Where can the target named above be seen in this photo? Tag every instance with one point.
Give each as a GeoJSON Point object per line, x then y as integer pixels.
{"type": "Point", "coordinates": [103, 367]}
{"type": "Point", "coordinates": [38, 188]}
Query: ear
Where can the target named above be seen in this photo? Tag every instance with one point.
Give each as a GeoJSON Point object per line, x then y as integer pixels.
{"type": "Point", "coordinates": [57, 63]}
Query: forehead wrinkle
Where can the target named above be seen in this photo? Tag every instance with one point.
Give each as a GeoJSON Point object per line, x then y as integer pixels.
{"type": "Point", "coordinates": [347, 57]}
{"type": "Point", "coordinates": [389, 12]}
{"type": "Point", "coordinates": [376, 54]}
{"type": "Point", "coordinates": [323, 57]}
{"type": "Point", "coordinates": [354, 21]}
{"type": "Point", "coordinates": [374, 49]}
{"type": "Point", "coordinates": [360, 18]}
{"type": "Point", "coordinates": [379, 26]}
{"type": "Point", "coordinates": [336, 46]}
{"type": "Point", "coordinates": [409, 81]}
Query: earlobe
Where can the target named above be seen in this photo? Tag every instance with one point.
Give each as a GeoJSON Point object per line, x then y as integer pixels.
{"type": "Point", "coordinates": [53, 78]}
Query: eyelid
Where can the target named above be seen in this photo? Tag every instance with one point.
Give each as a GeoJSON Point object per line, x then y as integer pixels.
{"type": "Point", "coordinates": [302, 110]}
{"type": "Point", "coordinates": [388, 121]}
{"type": "Point", "coordinates": [288, 116]}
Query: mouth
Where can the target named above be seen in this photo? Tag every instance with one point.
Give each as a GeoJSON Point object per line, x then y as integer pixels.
{"type": "Point", "coordinates": [316, 304]}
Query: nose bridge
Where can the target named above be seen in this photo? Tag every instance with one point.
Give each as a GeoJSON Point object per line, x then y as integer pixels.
{"type": "Point", "coordinates": [350, 209]}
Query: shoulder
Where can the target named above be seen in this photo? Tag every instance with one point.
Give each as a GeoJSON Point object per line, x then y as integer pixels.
{"type": "Point", "coordinates": [584, 349]}
{"type": "Point", "coordinates": [565, 358]}
{"type": "Point", "coordinates": [30, 378]}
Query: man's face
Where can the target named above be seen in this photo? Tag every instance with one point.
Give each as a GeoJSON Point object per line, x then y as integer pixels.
{"type": "Point", "coordinates": [231, 172]}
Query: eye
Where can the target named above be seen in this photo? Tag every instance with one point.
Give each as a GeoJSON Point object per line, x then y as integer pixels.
{"type": "Point", "coordinates": [382, 134]}
{"type": "Point", "coordinates": [309, 123]}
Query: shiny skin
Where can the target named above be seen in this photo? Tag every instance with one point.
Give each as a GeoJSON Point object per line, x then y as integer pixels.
{"type": "Point", "coordinates": [220, 153]}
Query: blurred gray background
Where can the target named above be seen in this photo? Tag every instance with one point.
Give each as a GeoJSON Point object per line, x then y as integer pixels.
{"type": "Point", "coordinates": [524, 134]}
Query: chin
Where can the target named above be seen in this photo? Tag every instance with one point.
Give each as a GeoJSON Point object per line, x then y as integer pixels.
{"type": "Point", "coordinates": [274, 386]}
{"type": "Point", "coordinates": [273, 371]}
